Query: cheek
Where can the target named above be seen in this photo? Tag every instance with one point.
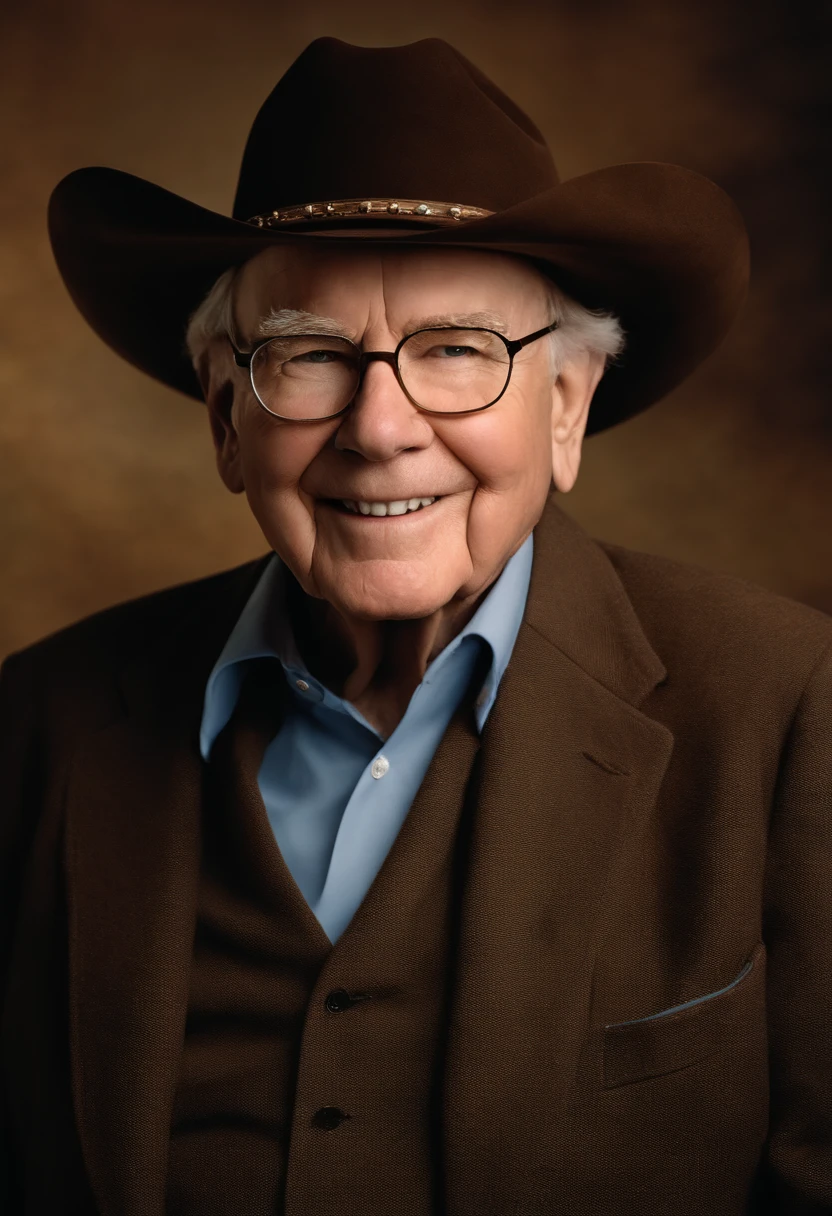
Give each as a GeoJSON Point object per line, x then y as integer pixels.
{"type": "Point", "coordinates": [510, 456]}
{"type": "Point", "coordinates": [504, 448]}
{"type": "Point", "coordinates": [274, 457]}
{"type": "Point", "coordinates": [273, 461]}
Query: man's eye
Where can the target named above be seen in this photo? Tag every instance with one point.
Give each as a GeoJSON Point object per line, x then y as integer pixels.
{"type": "Point", "coordinates": [317, 356]}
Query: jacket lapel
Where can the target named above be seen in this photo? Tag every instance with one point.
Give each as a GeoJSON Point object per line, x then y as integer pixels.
{"type": "Point", "coordinates": [570, 775]}
{"type": "Point", "coordinates": [132, 867]}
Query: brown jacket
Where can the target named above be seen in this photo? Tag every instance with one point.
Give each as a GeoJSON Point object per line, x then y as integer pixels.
{"type": "Point", "coordinates": [653, 827]}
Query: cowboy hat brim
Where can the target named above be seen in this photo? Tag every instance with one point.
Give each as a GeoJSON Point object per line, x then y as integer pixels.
{"type": "Point", "coordinates": [662, 247]}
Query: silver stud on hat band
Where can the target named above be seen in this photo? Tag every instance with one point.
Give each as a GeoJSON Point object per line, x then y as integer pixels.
{"type": "Point", "coordinates": [402, 208]}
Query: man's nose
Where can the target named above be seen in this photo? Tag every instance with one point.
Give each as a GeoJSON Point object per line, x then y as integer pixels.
{"type": "Point", "coordinates": [382, 419]}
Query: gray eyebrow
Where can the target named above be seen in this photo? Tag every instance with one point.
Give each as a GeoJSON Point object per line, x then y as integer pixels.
{"type": "Point", "coordinates": [284, 322]}
{"type": "Point", "coordinates": [474, 320]}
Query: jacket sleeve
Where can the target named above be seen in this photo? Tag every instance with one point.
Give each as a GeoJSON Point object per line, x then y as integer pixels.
{"type": "Point", "coordinates": [18, 770]}
{"type": "Point", "coordinates": [797, 928]}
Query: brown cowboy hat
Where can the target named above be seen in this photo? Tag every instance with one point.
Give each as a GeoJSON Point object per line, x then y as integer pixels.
{"type": "Point", "coordinates": [414, 146]}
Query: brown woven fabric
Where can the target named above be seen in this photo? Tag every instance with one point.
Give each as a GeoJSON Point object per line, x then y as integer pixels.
{"type": "Point", "coordinates": [263, 1055]}
{"type": "Point", "coordinates": [256, 958]}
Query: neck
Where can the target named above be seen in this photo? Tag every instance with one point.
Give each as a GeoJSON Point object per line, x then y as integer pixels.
{"type": "Point", "coordinates": [376, 665]}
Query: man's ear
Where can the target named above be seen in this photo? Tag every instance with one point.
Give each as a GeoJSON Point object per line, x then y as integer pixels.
{"type": "Point", "coordinates": [216, 377]}
{"type": "Point", "coordinates": [572, 394]}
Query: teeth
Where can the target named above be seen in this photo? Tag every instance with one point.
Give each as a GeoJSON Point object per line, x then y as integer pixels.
{"type": "Point", "coordinates": [400, 507]}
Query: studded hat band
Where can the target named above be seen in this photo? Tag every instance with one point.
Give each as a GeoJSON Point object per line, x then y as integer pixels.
{"type": "Point", "coordinates": [399, 207]}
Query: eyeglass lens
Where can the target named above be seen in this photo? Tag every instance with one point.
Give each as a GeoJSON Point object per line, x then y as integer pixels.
{"type": "Point", "coordinates": [314, 376]}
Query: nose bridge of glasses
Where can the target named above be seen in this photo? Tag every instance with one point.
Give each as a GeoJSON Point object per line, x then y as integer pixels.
{"type": "Point", "coordinates": [378, 356]}
{"type": "Point", "coordinates": [366, 357]}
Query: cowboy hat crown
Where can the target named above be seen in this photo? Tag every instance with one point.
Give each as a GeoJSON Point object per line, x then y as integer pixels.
{"type": "Point", "coordinates": [412, 146]}
{"type": "Point", "coordinates": [415, 121]}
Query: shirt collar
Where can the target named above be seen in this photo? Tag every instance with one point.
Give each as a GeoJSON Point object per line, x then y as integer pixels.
{"type": "Point", "coordinates": [497, 621]}
{"type": "Point", "coordinates": [263, 630]}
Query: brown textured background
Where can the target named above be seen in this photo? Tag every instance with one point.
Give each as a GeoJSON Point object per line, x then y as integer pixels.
{"type": "Point", "coordinates": [107, 479]}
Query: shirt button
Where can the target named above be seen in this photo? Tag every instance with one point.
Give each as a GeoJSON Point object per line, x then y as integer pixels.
{"type": "Point", "coordinates": [380, 766]}
{"type": "Point", "coordinates": [302, 685]}
{"type": "Point", "coordinates": [328, 1118]}
{"type": "Point", "coordinates": [338, 1001]}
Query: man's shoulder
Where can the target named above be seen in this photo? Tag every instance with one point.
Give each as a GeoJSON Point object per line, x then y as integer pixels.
{"type": "Point", "coordinates": [107, 639]}
{"type": "Point", "coordinates": [685, 607]}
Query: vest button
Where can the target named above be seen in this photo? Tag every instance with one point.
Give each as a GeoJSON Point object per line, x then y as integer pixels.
{"type": "Point", "coordinates": [338, 1001]}
{"type": "Point", "coordinates": [328, 1118]}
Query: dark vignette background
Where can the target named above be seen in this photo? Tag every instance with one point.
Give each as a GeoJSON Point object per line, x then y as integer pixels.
{"type": "Point", "coordinates": [107, 479]}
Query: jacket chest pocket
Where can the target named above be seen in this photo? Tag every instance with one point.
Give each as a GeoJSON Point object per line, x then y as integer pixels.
{"type": "Point", "coordinates": [682, 1035]}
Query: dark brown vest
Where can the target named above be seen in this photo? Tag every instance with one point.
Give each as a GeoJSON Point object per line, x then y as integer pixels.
{"type": "Point", "coordinates": [309, 1075]}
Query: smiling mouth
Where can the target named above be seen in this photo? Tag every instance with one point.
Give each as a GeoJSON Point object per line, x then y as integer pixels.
{"type": "Point", "coordinates": [356, 513]}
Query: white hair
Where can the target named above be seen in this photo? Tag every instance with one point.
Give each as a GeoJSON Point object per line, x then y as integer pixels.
{"type": "Point", "coordinates": [580, 330]}
{"type": "Point", "coordinates": [213, 319]}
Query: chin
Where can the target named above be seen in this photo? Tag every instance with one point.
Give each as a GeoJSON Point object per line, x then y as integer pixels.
{"type": "Point", "coordinates": [390, 604]}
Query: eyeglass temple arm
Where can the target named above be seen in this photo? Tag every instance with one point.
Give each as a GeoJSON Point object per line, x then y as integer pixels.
{"type": "Point", "coordinates": [519, 343]}
{"type": "Point", "coordinates": [240, 357]}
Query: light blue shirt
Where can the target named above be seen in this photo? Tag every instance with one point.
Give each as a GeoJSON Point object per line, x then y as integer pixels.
{"type": "Point", "coordinates": [336, 791]}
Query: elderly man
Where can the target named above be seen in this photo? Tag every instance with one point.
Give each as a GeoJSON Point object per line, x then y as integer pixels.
{"type": "Point", "coordinates": [445, 860]}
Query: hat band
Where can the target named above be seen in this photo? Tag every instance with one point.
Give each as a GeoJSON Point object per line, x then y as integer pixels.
{"type": "Point", "coordinates": [405, 208]}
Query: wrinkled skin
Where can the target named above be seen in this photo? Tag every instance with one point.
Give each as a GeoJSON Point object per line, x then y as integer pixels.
{"type": "Point", "coordinates": [379, 599]}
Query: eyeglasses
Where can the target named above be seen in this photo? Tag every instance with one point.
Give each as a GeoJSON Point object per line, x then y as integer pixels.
{"type": "Point", "coordinates": [442, 370]}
